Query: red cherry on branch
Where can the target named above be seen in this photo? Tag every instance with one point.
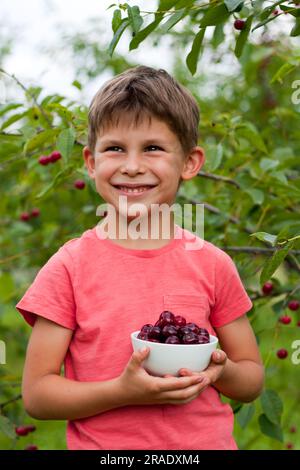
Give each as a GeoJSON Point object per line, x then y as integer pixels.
{"type": "Point", "coordinates": [293, 429]}
{"type": "Point", "coordinates": [44, 160]}
{"type": "Point", "coordinates": [282, 353]}
{"type": "Point", "coordinates": [35, 212]}
{"type": "Point", "coordinates": [294, 305]}
{"type": "Point", "coordinates": [31, 447]}
{"type": "Point", "coordinates": [79, 184]}
{"type": "Point", "coordinates": [25, 216]}
{"type": "Point", "coordinates": [267, 287]}
{"type": "Point", "coordinates": [239, 24]}
{"type": "Point", "coordinates": [21, 430]}
{"type": "Point", "coordinates": [285, 319]}
{"type": "Point", "coordinates": [54, 156]}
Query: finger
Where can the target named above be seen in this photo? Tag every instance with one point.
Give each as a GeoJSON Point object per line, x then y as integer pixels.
{"type": "Point", "coordinates": [168, 376]}
{"type": "Point", "coordinates": [187, 372]}
{"type": "Point", "coordinates": [177, 383]}
{"type": "Point", "coordinates": [185, 395]}
{"type": "Point", "coordinates": [219, 356]}
{"type": "Point", "coordinates": [138, 357]}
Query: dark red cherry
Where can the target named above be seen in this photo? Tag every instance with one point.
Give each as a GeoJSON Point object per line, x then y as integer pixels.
{"type": "Point", "coordinates": [173, 340]}
{"type": "Point", "coordinates": [143, 336]}
{"type": "Point", "coordinates": [193, 327]}
{"type": "Point", "coordinates": [202, 339]}
{"type": "Point", "coordinates": [154, 332]}
{"type": "Point", "coordinates": [203, 332]}
{"type": "Point", "coordinates": [167, 318]}
{"type": "Point", "coordinates": [190, 338]}
{"type": "Point", "coordinates": [146, 328]}
{"type": "Point", "coordinates": [160, 324]}
{"type": "Point", "coordinates": [180, 321]}
{"type": "Point", "coordinates": [169, 330]}
{"type": "Point", "coordinates": [184, 330]}
{"type": "Point", "coordinates": [154, 340]}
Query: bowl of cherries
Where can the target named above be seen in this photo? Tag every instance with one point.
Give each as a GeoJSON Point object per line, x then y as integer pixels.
{"type": "Point", "coordinates": [174, 344]}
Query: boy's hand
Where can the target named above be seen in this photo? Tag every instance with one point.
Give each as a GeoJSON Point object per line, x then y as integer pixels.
{"type": "Point", "coordinates": [214, 370]}
{"type": "Point", "coordinates": [140, 388]}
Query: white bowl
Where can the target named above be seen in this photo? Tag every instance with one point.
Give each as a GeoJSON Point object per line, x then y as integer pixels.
{"type": "Point", "coordinates": [170, 358]}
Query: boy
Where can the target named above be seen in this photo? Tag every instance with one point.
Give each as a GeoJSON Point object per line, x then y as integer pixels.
{"type": "Point", "coordinates": [98, 288]}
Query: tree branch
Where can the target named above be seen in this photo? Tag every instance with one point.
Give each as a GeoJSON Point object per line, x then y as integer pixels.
{"type": "Point", "coordinates": [11, 400]}
{"type": "Point", "coordinates": [30, 94]}
{"type": "Point", "coordinates": [256, 250]}
{"type": "Point", "coordinates": [225, 179]}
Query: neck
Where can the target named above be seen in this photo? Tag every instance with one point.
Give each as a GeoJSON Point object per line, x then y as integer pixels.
{"type": "Point", "coordinates": [144, 233]}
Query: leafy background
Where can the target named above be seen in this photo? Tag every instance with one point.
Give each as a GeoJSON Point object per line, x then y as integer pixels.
{"type": "Point", "coordinates": [245, 82]}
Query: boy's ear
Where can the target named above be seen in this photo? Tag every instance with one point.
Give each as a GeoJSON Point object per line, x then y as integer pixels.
{"type": "Point", "coordinates": [89, 161]}
{"type": "Point", "coordinates": [193, 163]}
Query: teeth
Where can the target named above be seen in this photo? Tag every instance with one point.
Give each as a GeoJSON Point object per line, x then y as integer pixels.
{"type": "Point", "coordinates": [141, 189]}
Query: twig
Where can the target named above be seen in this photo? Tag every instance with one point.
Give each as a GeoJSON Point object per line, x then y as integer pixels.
{"type": "Point", "coordinates": [30, 94]}
{"type": "Point", "coordinates": [11, 400]}
{"type": "Point", "coordinates": [258, 250]}
{"type": "Point", "coordinates": [219, 178]}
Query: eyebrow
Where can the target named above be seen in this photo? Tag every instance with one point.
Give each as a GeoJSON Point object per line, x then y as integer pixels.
{"type": "Point", "coordinates": [145, 142]}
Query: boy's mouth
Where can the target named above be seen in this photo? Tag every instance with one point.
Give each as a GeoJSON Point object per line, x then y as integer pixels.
{"type": "Point", "coordinates": [134, 189]}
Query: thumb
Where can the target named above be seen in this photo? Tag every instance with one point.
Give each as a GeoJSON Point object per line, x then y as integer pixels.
{"type": "Point", "coordinates": [139, 356]}
{"type": "Point", "coordinates": [219, 356]}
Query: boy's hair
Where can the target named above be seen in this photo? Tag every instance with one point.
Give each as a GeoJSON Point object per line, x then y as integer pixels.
{"type": "Point", "coordinates": [144, 91]}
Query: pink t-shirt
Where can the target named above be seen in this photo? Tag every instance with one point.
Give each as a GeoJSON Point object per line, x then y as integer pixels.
{"type": "Point", "coordinates": [103, 292]}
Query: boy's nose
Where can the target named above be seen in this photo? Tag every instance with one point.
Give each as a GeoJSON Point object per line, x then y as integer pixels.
{"type": "Point", "coordinates": [132, 164]}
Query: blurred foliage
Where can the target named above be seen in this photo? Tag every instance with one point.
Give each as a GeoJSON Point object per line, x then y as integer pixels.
{"type": "Point", "coordinates": [250, 120]}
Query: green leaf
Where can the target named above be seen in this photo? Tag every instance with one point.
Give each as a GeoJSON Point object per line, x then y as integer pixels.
{"type": "Point", "coordinates": [270, 429]}
{"type": "Point", "coordinates": [116, 20]}
{"type": "Point", "coordinates": [245, 415]}
{"type": "Point", "coordinates": [296, 29]}
{"type": "Point", "coordinates": [274, 262]}
{"type": "Point", "coordinates": [218, 36]}
{"type": "Point", "coordinates": [123, 25]}
{"type": "Point", "coordinates": [292, 11]}
{"type": "Point", "coordinates": [268, 164]}
{"type": "Point", "coordinates": [265, 237]}
{"type": "Point", "coordinates": [12, 119]}
{"type": "Point", "coordinates": [135, 18]}
{"type": "Point", "coordinates": [262, 23]}
{"type": "Point", "coordinates": [214, 155]}
{"type": "Point", "coordinates": [7, 286]}
{"type": "Point", "coordinates": [242, 37]}
{"type": "Point", "coordinates": [232, 5]}
{"type": "Point", "coordinates": [256, 195]}
{"type": "Point", "coordinates": [110, 6]}
{"type": "Point", "coordinates": [39, 139]}
{"type": "Point", "coordinates": [250, 133]}
{"type": "Point", "coordinates": [165, 5]}
{"type": "Point", "coordinates": [284, 70]}
{"type": "Point", "coordinates": [272, 406]}
{"type": "Point", "coordinates": [7, 427]}
{"type": "Point", "coordinates": [192, 57]}
{"type": "Point", "coordinates": [65, 142]}
{"type": "Point", "coordinates": [60, 176]}
{"type": "Point", "coordinates": [77, 84]}
{"type": "Point", "coordinates": [141, 35]}
{"type": "Point", "coordinates": [214, 15]}
{"type": "Point", "coordinates": [173, 20]}
{"type": "Point", "coordinates": [8, 107]}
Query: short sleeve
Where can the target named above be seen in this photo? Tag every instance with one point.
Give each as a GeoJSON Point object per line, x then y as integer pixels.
{"type": "Point", "coordinates": [231, 298]}
{"type": "Point", "coordinates": [51, 293]}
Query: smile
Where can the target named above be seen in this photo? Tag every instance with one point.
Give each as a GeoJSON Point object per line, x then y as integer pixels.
{"type": "Point", "coordinates": [133, 191]}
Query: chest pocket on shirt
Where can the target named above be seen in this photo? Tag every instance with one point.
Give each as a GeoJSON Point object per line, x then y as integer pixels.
{"type": "Point", "coordinates": [194, 308]}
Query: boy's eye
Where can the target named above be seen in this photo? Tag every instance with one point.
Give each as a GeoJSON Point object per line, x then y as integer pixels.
{"type": "Point", "coordinates": [150, 146]}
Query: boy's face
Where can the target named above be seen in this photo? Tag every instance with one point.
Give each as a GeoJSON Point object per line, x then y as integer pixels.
{"type": "Point", "coordinates": [149, 154]}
